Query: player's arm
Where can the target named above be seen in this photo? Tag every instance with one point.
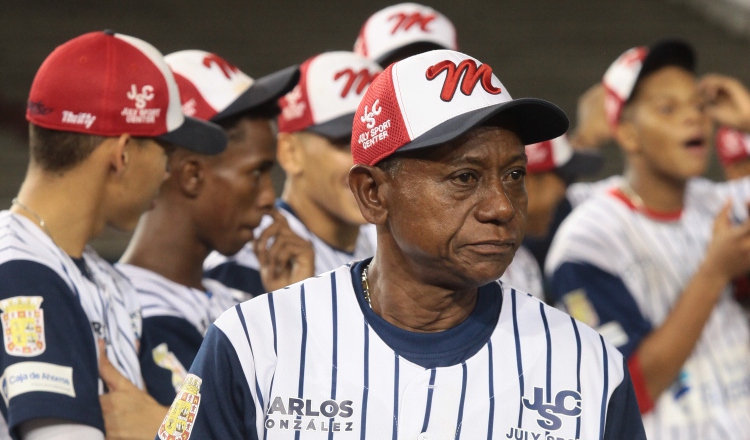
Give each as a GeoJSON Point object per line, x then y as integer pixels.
{"type": "Point", "coordinates": [226, 408]}
{"type": "Point", "coordinates": [50, 365]}
{"type": "Point", "coordinates": [285, 258]}
{"type": "Point", "coordinates": [592, 130]}
{"type": "Point", "coordinates": [662, 353]}
{"type": "Point", "coordinates": [623, 420]}
{"type": "Point", "coordinates": [169, 345]}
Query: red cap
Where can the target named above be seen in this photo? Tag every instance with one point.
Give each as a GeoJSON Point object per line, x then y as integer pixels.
{"type": "Point", "coordinates": [107, 84]}
{"type": "Point", "coordinates": [330, 88]}
{"type": "Point", "coordinates": [434, 97]}
{"type": "Point", "coordinates": [732, 145]}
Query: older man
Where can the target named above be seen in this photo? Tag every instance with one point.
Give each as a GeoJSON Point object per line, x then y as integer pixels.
{"type": "Point", "coordinates": [419, 342]}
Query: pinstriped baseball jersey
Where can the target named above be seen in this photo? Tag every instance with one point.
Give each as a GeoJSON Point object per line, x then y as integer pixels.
{"type": "Point", "coordinates": [313, 361]}
{"type": "Point", "coordinates": [175, 319]}
{"type": "Point", "coordinates": [54, 307]}
{"type": "Point", "coordinates": [622, 271]}
{"type": "Point", "coordinates": [525, 274]}
{"type": "Point", "coordinates": [242, 271]}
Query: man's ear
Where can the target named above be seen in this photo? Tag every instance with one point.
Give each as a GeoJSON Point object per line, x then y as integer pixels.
{"type": "Point", "coordinates": [290, 153]}
{"type": "Point", "coordinates": [370, 186]}
{"type": "Point", "coordinates": [188, 173]}
{"type": "Point", "coordinates": [119, 150]}
{"type": "Point", "coordinates": [626, 135]}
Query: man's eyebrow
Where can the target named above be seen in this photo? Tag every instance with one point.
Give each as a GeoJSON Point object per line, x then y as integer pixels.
{"type": "Point", "coordinates": [479, 162]}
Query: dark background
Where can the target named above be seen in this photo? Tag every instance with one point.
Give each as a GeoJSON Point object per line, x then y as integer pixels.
{"type": "Point", "coordinates": [551, 49]}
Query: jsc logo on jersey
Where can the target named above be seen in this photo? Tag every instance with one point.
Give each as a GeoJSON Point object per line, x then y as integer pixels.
{"type": "Point", "coordinates": [178, 424]}
{"type": "Point", "coordinates": [307, 415]}
{"type": "Point", "coordinates": [23, 325]}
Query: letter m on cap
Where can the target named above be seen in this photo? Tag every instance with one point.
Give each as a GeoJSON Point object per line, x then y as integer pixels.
{"type": "Point", "coordinates": [467, 73]}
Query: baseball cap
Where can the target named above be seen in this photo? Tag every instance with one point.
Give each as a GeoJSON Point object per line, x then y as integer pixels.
{"type": "Point", "coordinates": [107, 84]}
{"type": "Point", "coordinates": [732, 145]}
{"type": "Point", "coordinates": [559, 156]}
{"type": "Point", "coordinates": [324, 102]}
{"type": "Point", "coordinates": [212, 89]}
{"type": "Point", "coordinates": [636, 63]}
{"type": "Point", "coordinates": [395, 27]}
{"type": "Point", "coordinates": [435, 97]}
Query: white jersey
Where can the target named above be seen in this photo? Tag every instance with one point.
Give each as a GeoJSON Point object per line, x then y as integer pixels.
{"type": "Point", "coordinates": [579, 192]}
{"type": "Point", "coordinates": [175, 319]}
{"type": "Point", "coordinates": [621, 271]}
{"type": "Point", "coordinates": [313, 361]}
{"type": "Point", "coordinates": [525, 274]}
{"type": "Point", "coordinates": [242, 270]}
{"type": "Point", "coordinates": [160, 296]}
{"type": "Point", "coordinates": [54, 308]}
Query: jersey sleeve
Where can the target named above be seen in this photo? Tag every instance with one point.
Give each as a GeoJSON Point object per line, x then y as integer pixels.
{"type": "Point", "coordinates": [237, 276]}
{"type": "Point", "coordinates": [49, 360]}
{"type": "Point", "coordinates": [623, 420]}
{"type": "Point", "coordinates": [168, 347]}
{"type": "Point", "coordinates": [226, 409]}
{"type": "Point", "coordinates": [601, 300]}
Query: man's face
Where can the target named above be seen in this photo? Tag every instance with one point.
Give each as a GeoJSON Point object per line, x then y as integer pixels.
{"type": "Point", "coordinates": [139, 185]}
{"type": "Point", "coordinates": [670, 123]}
{"type": "Point", "coordinates": [325, 177]}
{"type": "Point", "coordinates": [458, 211]}
{"type": "Point", "coordinates": [237, 190]}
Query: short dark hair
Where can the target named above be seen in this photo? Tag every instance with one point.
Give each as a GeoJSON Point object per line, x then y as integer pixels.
{"type": "Point", "coordinates": [268, 110]}
{"type": "Point", "coordinates": [390, 164]}
{"type": "Point", "coordinates": [59, 151]}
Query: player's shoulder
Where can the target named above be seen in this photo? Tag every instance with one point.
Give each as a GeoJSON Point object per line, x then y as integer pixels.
{"type": "Point", "coordinates": [158, 295]}
{"type": "Point", "coordinates": [561, 325]}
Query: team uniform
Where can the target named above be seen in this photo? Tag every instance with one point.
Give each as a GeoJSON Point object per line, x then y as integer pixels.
{"type": "Point", "coordinates": [242, 270]}
{"type": "Point", "coordinates": [283, 366]}
{"type": "Point", "coordinates": [525, 274]}
{"type": "Point", "coordinates": [175, 319]}
{"type": "Point", "coordinates": [621, 270]}
{"type": "Point", "coordinates": [54, 309]}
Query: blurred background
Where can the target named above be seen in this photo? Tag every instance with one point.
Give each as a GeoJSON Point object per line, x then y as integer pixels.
{"type": "Point", "coordinates": [551, 49]}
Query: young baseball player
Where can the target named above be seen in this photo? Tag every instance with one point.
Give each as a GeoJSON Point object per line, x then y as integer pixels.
{"type": "Point", "coordinates": [419, 342]}
{"type": "Point", "coordinates": [314, 131]}
{"type": "Point", "coordinates": [403, 30]}
{"type": "Point", "coordinates": [649, 263]}
{"type": "Point", "coordinates": [209, 203]}
{"type": "Point", "coordinates": [103, 109]}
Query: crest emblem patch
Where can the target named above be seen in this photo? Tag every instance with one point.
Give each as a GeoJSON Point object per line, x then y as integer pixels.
{"type": "Point", "coordinates": [23, 326]}
{"type": "Point", "coordinates": [178, 424]}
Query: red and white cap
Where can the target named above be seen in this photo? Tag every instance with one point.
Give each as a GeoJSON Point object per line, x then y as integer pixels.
{"type": "Point", "coordinates": [635, 64]}
{"type": "Point", "coordinates": [559, 156]}
{"type": "Point", "coordinates": [330, 88]}
{"type": "Point", "coordinates": [107, 84]}
{"type": "Point", "coordinates": [398, 26]}
{"type": "Point", "coordinates": [732, 145]}
{"type": "Point", "coordinates": [435, 97]}
{"type": "Point", "coordinates": [212, 89]}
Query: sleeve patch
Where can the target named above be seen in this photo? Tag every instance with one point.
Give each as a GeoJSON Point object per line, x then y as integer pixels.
{"type": "Point", "coordinates": [167, 360]}
{"type": "Point", "coordinates": [23, 326]}
{"type": "Point", "coordinates": [25, 377]}
{"type": "Point", "coordinates": [179, 422]}
{"type": "Point", "coordinates": [579, 307]}
{"type": "Point", "coordinates": [613, 333]}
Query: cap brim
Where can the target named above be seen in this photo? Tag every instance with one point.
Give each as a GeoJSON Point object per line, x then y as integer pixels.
{"type": "Point", "coordinates": [407, 50]}
{"type": "Point", "coordinates": [582, 163]}
{"type": "Point", "coordinates": [337, 128]}
{"type": "Point", "coordinates": [533, 120]}
{"type": "Point", "coordinates": [263, 91]}
{"type": "Point", "coordinates": [197, 135]}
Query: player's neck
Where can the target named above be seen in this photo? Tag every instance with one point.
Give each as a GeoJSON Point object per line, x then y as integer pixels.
{"type": "Point", "coordinates": [333, 231]}
{"type": "Point", "coordinates": [657, 192]}
{"type": "Point", "coordinates": [69, 205]}
{"type": "Point", "coordinates": [165, 242]}
{"type": "Point", "coordinates": [401, 298]}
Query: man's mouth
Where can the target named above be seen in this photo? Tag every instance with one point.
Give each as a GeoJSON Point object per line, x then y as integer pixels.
{"type": "Point", "coordinates": [695, 142]}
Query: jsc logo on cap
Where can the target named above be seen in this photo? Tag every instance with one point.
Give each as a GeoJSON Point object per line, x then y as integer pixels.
{"type": "Point", "coordinates": [434, 97]}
